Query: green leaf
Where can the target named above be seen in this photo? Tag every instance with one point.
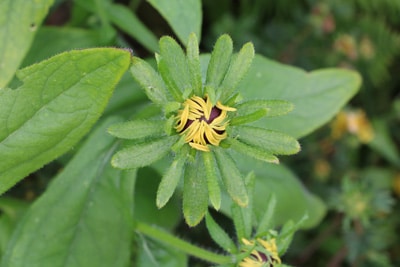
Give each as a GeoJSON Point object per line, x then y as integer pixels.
{"type": "Point", "coordinates": [11, 211]}
{"type": "Point", "coordinates": [19, 21]}
{"type": "Point", "coordinates": [137, 129]}
{"type": "Point", "coordinates": [171, 178]}
{"type": "Point", "coordinates": [238, 221]}
{"type": "Point", "coordinates": [266, 220]}
{"type": "Point", "coordinates": [248, 118]}
{"type": "Point", "coordinates": [219, 61]}
{"type": "Point", "coordinates": [219, 235]}
{"type": "Point", "coordinates": [231, 176]}
{"type": "Point", "coordinates": [184, 16]}
{"type": "Point", "coordinates": [237, 70]}
{"type": "Point", "coordinates": [317, 96]}
{"type": "Point", "coordinates": [143, 154]}
{"type": "Point", "coordinates": [211, 170]}
{"type": "Point", "coordinates": [269, 141]}
{"type": "Point", "coordinates": [59, 101]}
{"type": "Point", "coordinates": [193, 59]}
{"type": "Point", "coordinates": [129, 23]}
{"type": "Point", "coordinates": [274, 107]}
{"type": "Point", "coordinates": [173, 67]}
{"type": "Point", "coordinates": [149, 80]}
{"type": "Point", "coordinates": [60, 39]}
{"type": "Point", "coordinates": [252, 151]}
{"type": "Point", "coordinates": [195, 194]}
{"type": "Point", "coordinates": [84, 217]}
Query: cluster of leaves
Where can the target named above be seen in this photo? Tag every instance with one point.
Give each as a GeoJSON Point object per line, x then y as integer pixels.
{"type": "Point", "coordinates": [93, 214]}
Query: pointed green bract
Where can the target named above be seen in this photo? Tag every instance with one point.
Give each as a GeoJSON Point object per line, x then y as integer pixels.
{"type": "Point", "coordinates": [253, 151]}
{"type": "Point", "coordinates": [212, 179]}
{"type": "Point", "coordinates": [219, 235]}
{"type": "Point", "coordinates": [247, 212]}
{"type": "Point", "coordinates": [244, 119]}
{"type": "Point", "coordinates": [238, 221]}
{"type": "Point", "coordinates": [173, 67]}
{"type": "Point", "coordinates": [269, 141]}
{"type": "Point", "coordinates": [143, 154]}
{"type": "Point", "coordinates": [194, 64]}
{"type": "Point", "coordinates": [266, 221]}
{"type": "Point", "coordinates": [219, 61]}
{"type": "Point", "coordinates": [237, 69]}
{"type": "Point", "coordinates": [59, 101]}
{"type": "Point", "coordinates": [274, 107]}
{"type": "Point", "coordinates": [88, 203]}
{"type": "Point", "coordinates": [137, 129]}
{"type": "Point", "coordinates": [195, 194]}
{"type": "Point", "coordinates": [19, 22]}
{"type": "Point", "coordinates": [231, 177]}
{"type": "Point", "coordinates": [171, 178]}
{"type": "Point", "coordinates": [149, 80]}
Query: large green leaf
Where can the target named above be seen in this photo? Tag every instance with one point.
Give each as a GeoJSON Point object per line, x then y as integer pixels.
{"type": "Point", "coordinates": [19, 20]}
{"type": "Point", "coordinates": [317, 96]}
{"type": "Point", "coordinates": [58, 102]}
{"type": "Point", "coordinates": [84, 217]}
{"type": "Point", "coordinates": [184, 16]}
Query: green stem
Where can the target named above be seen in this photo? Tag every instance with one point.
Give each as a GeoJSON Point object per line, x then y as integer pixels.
{"type": "Point", "coordinates": [182, 245]}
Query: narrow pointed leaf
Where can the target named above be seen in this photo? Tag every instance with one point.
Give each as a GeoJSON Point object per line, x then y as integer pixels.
{"type": "Point", "coordinates": [232, 177]}
{"type": "Point", "coordinates": [194, 64]}
{"type": "Point", "coordinates": [195, 194]}
{"type": "Point", "coordinates": [219, 61]}
{"type": "Point", "coordinates": [19, 21]}
{"type": "Point", "coordinates": [83, 218]}
{"type": "Point", "coordinates": [58, 102]}
{"type": "Point", "coordinates": [253, 151]}
{"type": "Point", "coordinates": [173, 67]}
{"type": "Point", "coordinates": [248, 118]}
{"type": "Point", "coordinates": [219, 235]}
{"type": "Point", "coordinates": [137, 129]}
{"type": "Point", "coordinates": [238, 68]}
{"type": "Point", "coordinates": [270, 141]}
{"type": "Point", "coordinates": [125, 19]}
{"type": "Point", "coordinates": [266, 222]}
{"type": "Point", "coordinates": [143, 154]}
{"type": "Point", "coordinates": [238, 220]}
{"type": "Point", "coordinates": [212, 179]}
{"type": "Point", "coordinates": [149, 80]}
{"type": "Point", "coordinates": [274, 107]}
{"type": "Point", "coordinates": [247, 211]}
{"type": "Point", "coordinates": [171, 179]}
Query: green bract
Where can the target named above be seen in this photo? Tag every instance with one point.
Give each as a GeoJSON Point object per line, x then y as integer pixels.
{"type": "Point", "coordinates": [212, 122]}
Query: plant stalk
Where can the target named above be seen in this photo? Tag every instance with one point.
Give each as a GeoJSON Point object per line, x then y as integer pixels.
{"type": "Point", "coordinates": [168, 239]}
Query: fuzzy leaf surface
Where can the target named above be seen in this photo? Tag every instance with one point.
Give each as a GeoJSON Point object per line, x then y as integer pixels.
{"type": "Point", "coordinates": [59, 101]}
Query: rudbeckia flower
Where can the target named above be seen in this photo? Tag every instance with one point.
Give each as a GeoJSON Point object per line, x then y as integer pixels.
{"type": "Point", "coordinates": [202, 118]}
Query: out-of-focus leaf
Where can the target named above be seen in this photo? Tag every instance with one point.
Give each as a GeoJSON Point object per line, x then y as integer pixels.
{"type": "Point", "coordinates": [184, 16]}
{"type": "Point", "coordinates": [19, 21]}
